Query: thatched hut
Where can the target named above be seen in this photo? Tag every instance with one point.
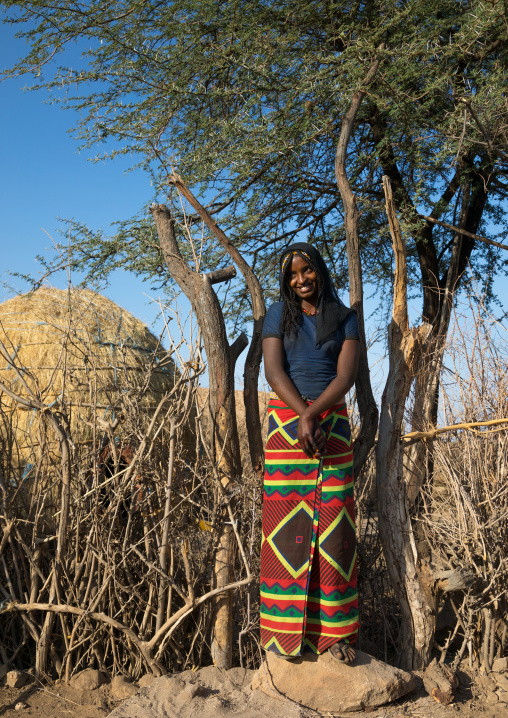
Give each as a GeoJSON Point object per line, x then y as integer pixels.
{"type": "Point", "coordinates": [80, 353]}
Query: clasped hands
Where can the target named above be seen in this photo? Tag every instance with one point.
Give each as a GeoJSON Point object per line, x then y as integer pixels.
{"type": "Point", "coordinates": [311, 437]}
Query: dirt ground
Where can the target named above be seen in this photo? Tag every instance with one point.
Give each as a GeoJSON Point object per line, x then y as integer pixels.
{"type": "Point", "coordinates": [475, 699]}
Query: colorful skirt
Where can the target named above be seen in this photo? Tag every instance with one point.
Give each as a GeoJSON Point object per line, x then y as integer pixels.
{"type": "Point", "coordinates": [308, 550]}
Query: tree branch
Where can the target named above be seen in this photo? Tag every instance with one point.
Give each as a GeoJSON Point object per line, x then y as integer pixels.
{"type": "Point", "coordinates": [368, 409]}
{"type": "Point", "coordinates": [458, 230]}
{"type": "Point", "coordinates": [221, 275]}
{"type": "Point", "coordinates": [237, 347]}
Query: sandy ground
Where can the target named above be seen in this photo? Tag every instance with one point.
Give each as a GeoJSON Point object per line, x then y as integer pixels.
{"type": "Point", "coordinates": [473, 700]}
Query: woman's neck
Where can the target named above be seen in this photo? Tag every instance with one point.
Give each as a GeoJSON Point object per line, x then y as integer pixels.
{"type": "Point", "coordinates": [308, 307]}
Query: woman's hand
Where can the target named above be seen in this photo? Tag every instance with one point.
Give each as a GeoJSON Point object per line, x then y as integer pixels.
{"type": "Point", "coordinates": [311, 437]}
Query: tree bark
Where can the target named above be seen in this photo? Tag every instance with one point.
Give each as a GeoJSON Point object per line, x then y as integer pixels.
{"type": "Point", "coordinates": [413, 593]}
{"type": "Point", "coordinates": [437, 291]}
{"type": "Point", "coordinates": [369, 413]}
{"type": "Point", "coordinates": [427, 385]}
{"type": "Point", "coordinates": [224, 435]}
{"type": "Point", "coordinates": [253, 361]}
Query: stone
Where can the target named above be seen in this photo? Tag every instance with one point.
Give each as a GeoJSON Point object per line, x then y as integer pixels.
{"type": "Point", "coordinates": [146, 680]}
{"type": "Point", "coordinates": [122, 687]}
{"type": "Point", "coordinates": [16, 679]}
{"type": "Point", "coordinates": [93, 698]}
{"type": "Point", "coordinates": [440, 682]}
{"type": "Point", "coordinates": [328, 686]}
{"type": "Point", "coordinates": [500, 665]}
{"type": "Point", "coordinates": [491, 697]}
{"type": "Point", "coordinates": [501, 681]}
{"type": "Point", "coordinates": [88, 680]}
{"type": "Point", "coordinates": [487, 683]}
{"type": "Point", "coordinates": [20, 706]}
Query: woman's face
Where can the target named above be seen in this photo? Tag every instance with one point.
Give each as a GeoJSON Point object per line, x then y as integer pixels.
{"type": "Point", "coordinates": [303, 279]}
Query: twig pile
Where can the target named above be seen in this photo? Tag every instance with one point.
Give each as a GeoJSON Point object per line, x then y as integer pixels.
{"type": "Point", "coordinates": [106, 556]}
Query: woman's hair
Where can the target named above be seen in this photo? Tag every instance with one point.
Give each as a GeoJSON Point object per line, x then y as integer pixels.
{"type": "Point", "coordinates": [292, 318]}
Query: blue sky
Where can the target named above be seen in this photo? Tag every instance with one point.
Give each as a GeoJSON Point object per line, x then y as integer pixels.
{"type": "Point", "coordinates": [44, 177]}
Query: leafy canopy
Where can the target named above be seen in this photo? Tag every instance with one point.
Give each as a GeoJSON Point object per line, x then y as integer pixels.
{"type": "Point", "coordinates": [245, 100]}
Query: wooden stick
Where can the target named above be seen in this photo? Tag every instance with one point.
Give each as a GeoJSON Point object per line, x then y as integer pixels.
{"type": "Point", "coordinates": [425, 435]}
{"type": "Point", "coordinates": [143, 646]}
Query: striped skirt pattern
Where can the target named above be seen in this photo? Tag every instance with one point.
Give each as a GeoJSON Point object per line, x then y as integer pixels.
{"type": "Point", "coordinates": [309, 596]}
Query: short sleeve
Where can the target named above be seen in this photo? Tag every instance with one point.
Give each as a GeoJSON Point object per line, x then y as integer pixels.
{"type": "Point", "coordinates": [350, 327]}
{"type": "Point", "coordinates": [271, 326]}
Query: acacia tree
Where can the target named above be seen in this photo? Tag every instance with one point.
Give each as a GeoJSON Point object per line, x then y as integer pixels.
{"type": "Point", "coordinates": [248, 101]}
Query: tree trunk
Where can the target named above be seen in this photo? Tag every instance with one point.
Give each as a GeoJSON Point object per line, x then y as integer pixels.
{"type": "Point", "coordinates": [224, 435]}
{"type": "Point", "coordinates": [438, 311]}
{"type": "Point", "coordinates": [253, 361]}
{"type": "Point", "coordinates": [366, 404]}
{"type": "Point", "coordinates": [413, 593]}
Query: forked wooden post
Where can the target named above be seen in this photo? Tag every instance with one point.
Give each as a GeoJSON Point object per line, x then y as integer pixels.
{"type": "Point", "coordinates": [413, 593]}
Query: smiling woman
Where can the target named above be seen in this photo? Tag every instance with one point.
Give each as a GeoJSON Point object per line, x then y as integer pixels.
{"type": "Point", "coordinates": [308, 553]}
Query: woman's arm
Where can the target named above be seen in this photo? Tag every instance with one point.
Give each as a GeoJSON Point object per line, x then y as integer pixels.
{"type": "Point", "coordinates": [310, 435]}
{"type": "Point", "coordinates": [347, 367]}
{"type": "Point", "coordinates": [281, 384]}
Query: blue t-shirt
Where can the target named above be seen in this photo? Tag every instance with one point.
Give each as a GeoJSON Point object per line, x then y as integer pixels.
{"type": "Point", "coordinates": [311, 369]}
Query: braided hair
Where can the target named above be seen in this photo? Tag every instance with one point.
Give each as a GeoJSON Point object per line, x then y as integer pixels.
{"type": "Point", "coordinates": [292, 315]}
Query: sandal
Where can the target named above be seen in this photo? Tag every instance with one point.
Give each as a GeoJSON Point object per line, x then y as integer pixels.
{"type": "Point", "coordinates": [342, 652]}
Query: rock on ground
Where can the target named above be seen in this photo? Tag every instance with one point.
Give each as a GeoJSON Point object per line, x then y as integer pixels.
{"type": "Point", "coordinates": [329, 686]}
{"type": "Point", "coordinates": [501, 681]}
{"type": "Point", "coordinates": [17, 679]}
{"type": "Point", "coordinates": [146, 680]}
{"type": "Point", "coordinates": [500, 664]}
{"type": "Point", "coordinates": [122, 687]}
{"type": "Point", "coordinates": [88, 680]}
{"type": "Point", "coordinates": [207, 693]}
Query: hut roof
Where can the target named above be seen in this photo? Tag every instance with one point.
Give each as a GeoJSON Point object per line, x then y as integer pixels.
{"type": "Point", "coordinates": [78, 349]}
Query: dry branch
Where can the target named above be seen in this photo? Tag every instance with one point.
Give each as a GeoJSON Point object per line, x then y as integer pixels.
{"type": "Point", "coordinates": [221, 275]}
{"type": "Point", "coordinates": [432, 433]}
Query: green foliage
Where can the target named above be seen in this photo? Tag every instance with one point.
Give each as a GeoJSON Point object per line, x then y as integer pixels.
{"type": "Point", "coordinates": [245, 100]}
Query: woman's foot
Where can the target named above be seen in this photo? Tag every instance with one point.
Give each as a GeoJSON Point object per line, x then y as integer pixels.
{"type": "Point", "coordinates": [343, 652]}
